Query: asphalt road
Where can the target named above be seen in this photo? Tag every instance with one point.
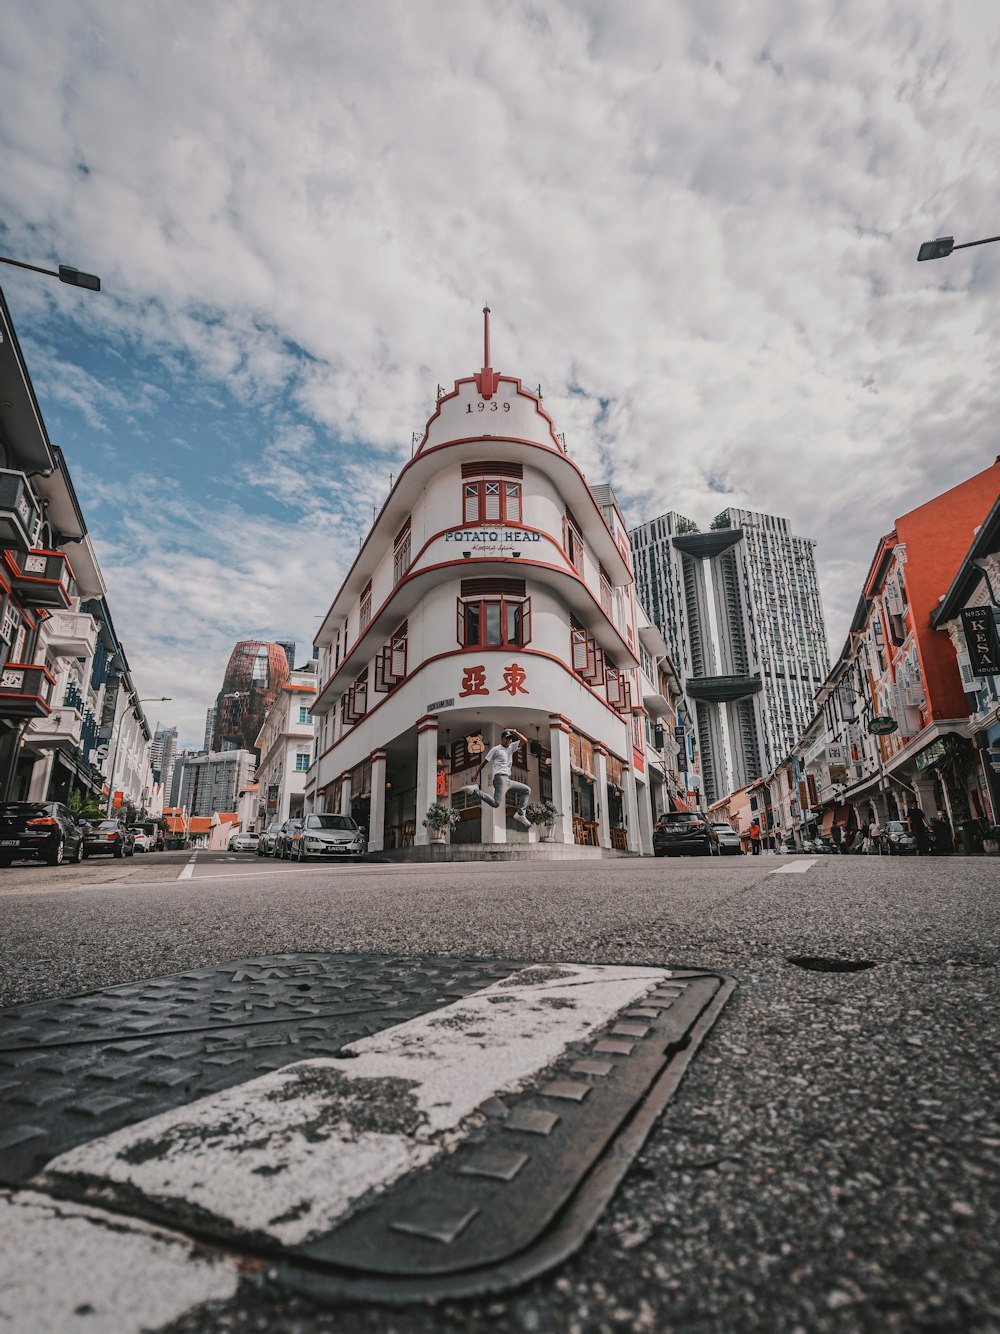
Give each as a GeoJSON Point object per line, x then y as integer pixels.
{"type": "Point", "coordinates": [832, 1159]}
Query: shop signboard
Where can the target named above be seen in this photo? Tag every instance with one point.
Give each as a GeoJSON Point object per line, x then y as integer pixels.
{"type": "Point", "coordinates": [882, 725]}
{"type": "Point", "coordinates": [982, 640]}
{"type": "Point", "coordinates": [930, 755]}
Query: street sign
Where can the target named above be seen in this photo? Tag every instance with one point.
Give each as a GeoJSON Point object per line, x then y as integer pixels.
{"type": "Point", "coordinates": [881, 725]}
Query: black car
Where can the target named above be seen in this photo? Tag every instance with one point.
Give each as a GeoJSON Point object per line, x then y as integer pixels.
{"type": "Point", "coordinates": [42, 829]}
{"type": "Point", "coordinates": [286, 838]}
{"type": "Point", "coordinates": [110, 836]}
{"type": "Point", "coordinates": [681, 832]}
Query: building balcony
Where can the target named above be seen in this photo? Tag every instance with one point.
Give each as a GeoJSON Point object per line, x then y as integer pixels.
{"type": "Point", "coordinates": [62, 729]}
{"type": "Point", "coordinates": [42, 578]}
{"type": "Point", "coordinates": [25, 690]}
{"type": "Point", "coordinates": [722, 689]}
{"type": "Point", "coordinates": [19, 511]}
{"type": "Point", "coordinates": [71, 634]}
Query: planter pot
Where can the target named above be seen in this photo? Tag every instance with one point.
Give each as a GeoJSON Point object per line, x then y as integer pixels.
{"type": "Point", "coordinates": [437, 836]}
{"type": "Point", "coordinates": [545, 834]}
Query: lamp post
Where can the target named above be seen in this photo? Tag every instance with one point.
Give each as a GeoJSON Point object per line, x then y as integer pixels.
{"type": "Point", "coordinates": [65, 273]}
{"type": "Point", "coordinates": [116, 737]}
{"type": "Point", "coordinates": [942, 247]}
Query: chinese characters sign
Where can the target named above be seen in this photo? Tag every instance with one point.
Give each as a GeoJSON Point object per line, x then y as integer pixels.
{"type": "Point", "coordinates": [512, 683]}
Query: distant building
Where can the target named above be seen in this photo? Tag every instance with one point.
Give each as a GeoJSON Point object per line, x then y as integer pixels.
{"type": "Point", "coordinates": [256, 671]}
{"type": "Point", "coordinates": [739, 607]}
{"type": "Point", "coordinates": [162, 755]}
{"type": "Point", "coordinates": [210, 716]}
{"type": "Point", "coordinates": [211, 780]}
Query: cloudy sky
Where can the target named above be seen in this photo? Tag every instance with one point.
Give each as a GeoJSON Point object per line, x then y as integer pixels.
{"type": "Point", "coordinates": [696, 224]}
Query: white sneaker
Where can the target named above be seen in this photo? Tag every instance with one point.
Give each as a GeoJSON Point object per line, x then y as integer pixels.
{"type": "Point", "coordinates": [521, 819]}
{"type": "Point", "coordinates": [469, 787]}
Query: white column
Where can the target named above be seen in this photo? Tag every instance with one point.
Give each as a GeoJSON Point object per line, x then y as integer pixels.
{"type": "Point", "coordinates": [601, 780]}
{"type": "Point", "coordinates": [562, 787]}
{"type": "Point", "coordinates": [631, 808]}
{"type": "Point", "coordinates": [40, 774]}
{"type": "Point", "coordinates": [645, 818]}
{"type": "Point", "coordinates": [427, 743]}
{"type": "Point", "coordinates": [376, 814]}
{"type": "Point", "coordinates": [345, 794]}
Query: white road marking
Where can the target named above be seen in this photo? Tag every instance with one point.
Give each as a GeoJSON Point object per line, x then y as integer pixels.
{"type": "Point", "coordinates": [188, 871]}
{"type": "Point", "coordinates": [794, 868]}
{"type": "Point", "coordinates": [289, 1153]}
{"type": "Point", "coordinates": [67, 1267]}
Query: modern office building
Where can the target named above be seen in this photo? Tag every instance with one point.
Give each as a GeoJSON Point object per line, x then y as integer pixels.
{"type": "Point", "coordinates": [211, 781]}
{"type": "Point", "coordinates": [162, 755]}
{"type": "Point", "coordinates": [211, 714]}
{"type": "Point", "coordinates": [739, 607]}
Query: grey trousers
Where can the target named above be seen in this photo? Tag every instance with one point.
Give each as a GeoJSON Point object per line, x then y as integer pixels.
{"type": "Point", "coordinates": [502, 784]}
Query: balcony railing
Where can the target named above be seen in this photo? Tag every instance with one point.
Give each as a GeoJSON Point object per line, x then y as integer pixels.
{"type": "Point", "coordinates": [19, 511]}
{"type": "Point", "coordinates": [25, 690]}
{"type": "Point", "coordinates": [62, 728]}
{"type": "Point", "coordinates": [42, 578]}
{"type": "Point", "coordinates": [71, 634]}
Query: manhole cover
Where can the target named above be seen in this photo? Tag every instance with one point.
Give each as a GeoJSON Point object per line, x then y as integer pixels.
{"type": "Point", "coordinates": [421, 1128]}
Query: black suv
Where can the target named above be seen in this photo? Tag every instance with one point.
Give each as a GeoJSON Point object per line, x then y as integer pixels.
{"type": "Point", "coordinates": [42, 829]}
{"type": "Point", "coordinates": [681, 832]}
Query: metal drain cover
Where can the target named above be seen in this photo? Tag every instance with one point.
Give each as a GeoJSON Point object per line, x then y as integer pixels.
{"type": "Point", "coordinates": [422, 1128]}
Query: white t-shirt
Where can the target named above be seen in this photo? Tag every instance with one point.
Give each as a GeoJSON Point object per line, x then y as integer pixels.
{"type": "Point", "coordinates": [501, 756]}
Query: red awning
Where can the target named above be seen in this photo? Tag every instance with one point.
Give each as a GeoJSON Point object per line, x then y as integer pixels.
{"type": "Point", "coordinates": [679, 804]}
{"type": "Point", "coordinates": [842, 816]}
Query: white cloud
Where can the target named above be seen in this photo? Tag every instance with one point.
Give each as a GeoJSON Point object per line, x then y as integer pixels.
{"type": "Point", "coordinates": [707, 217]}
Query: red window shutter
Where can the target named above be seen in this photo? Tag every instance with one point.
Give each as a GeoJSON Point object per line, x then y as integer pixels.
{"type": "Point", "coordinates": [492, 490]}
{"type": "Point", "coordinates": [470, 512]}
{"type": "Point", "coordinates": [380, 682]}
{"type": "Point", "coordinates": [396, 660]}
{"type": "Point", "coordinates": [579, 640]}
{"type": "Point", "coordinates": [460, 621]}
{"type": "Point", "coordinates": [526, 622]}
{"type": "Point", "coordinates": [512, 510]}
{"type": "Point", "coordinates": [598, 678]}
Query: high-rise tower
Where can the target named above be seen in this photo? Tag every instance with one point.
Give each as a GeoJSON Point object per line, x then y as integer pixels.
{"type": "Point", "coordinates": [740, 609]}
{"type": "Point", "coordinates": [256, 672]}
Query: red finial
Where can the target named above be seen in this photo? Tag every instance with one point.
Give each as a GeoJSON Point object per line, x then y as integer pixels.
{"type": "Point", "coordinates": [487, 380]}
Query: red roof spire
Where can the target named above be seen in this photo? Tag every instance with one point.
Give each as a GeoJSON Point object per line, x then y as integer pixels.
{"type": "Point", "coordinates": [488, 380]}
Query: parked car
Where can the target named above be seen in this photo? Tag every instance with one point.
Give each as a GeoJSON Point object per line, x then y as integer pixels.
{"type": "Point", "coordinates": [681, 832]}
{"type": "Point", "coordinates": [329, 836]}
{"type": "Point", "coordinates": [284, 838]}
{"type": "Point", "coordinates": [729, 840]}
{"type": "Point", "coordinates": [266, 840]}
{"type": "Point", "coordinates": [897, 839]}
{"type": "Point", "coordinates": [110, 836]}
{"type": "Point", "coordinates": [144, 841]}
{"type": "Point", "coordinates": [243, 843]}
{"type": "Point", "coordinates": [154, 841]}
{"type": "Point", "coordinates": [42, 829]}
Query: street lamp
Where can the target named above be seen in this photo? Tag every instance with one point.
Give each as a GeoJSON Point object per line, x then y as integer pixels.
{"type": "Point", "coordinates": [117, 733]}
{"type": "Point", "coordinates": [65, 273]}
{"type": "Point", "coordinates": [944, 245]}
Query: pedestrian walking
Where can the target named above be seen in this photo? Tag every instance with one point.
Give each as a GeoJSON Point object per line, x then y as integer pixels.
{"type": "Point", "coordinates": [501, 757]}
{"type": "Point", "coordinates": [944, 838]}
{"type": "Point", "coordinates": [918, 828]}
{"type": "Point", "coordinates": [753, 833]}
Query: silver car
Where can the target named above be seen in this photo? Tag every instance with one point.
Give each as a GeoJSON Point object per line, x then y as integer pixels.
{"type": "Point", "coordinates": [329, 836]}
{"type": "Point", "coordinates": [729, 840]}
{"type": "Point", "coordinates": [243, 843]}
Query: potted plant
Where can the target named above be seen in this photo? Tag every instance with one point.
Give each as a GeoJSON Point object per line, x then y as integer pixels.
{"type": "Point", "coordinates": [440, 817]}
{"type": "Point", "coordinates": [544, 814]}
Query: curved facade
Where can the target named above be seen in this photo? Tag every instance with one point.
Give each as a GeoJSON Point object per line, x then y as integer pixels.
{"type": "Point", "coordinates": [493, 590]}
{"type": "Point", "coordinates": [256, 672]}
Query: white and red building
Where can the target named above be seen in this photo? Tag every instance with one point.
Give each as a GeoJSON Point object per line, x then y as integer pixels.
{"type": "Point", "coordinates": [493, 590]}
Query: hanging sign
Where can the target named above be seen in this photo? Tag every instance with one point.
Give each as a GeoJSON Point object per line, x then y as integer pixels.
{"type": "Point", "coordinates": [982, 640]}
{"type": "Point", "coordinates": [881, 725]}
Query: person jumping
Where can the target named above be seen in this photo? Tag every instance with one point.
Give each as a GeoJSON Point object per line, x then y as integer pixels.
{"type": "Point", "coordinates": [501, 757]}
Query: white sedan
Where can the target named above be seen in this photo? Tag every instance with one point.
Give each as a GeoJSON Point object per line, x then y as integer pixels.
{"type": "Point", "coordinates": [243, 843]}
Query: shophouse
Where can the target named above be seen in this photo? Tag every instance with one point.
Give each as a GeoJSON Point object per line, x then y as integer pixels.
{"type": "Point", "coordinates": [70, 718]}
{"type": "Point", "coordinates": [493, 590]}
{"type": "Point", "coordinates": [969, 614]}
{"type": "Point", "coordinates": [285, 746]}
